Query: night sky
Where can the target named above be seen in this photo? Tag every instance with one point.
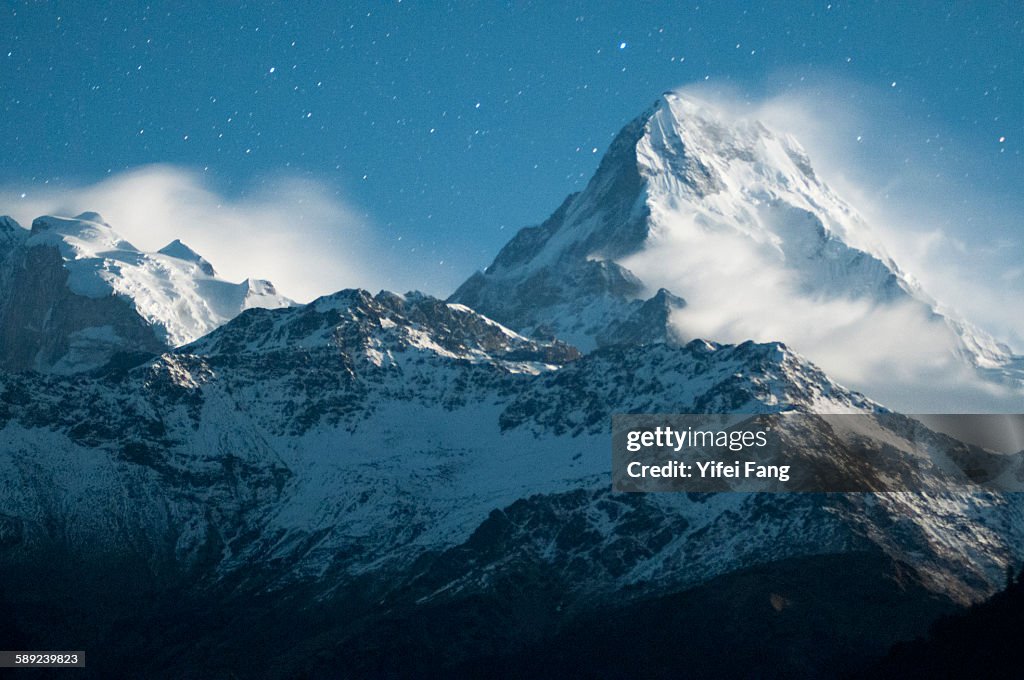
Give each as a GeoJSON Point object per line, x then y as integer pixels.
{"type": "Point", "coordinates": [451, 125]}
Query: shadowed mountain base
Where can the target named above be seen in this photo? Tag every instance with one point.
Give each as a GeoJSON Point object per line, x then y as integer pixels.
{"type": "Point", "coordinates": [820, 616]}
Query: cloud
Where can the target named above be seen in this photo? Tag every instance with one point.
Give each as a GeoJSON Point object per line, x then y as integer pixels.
{"type": "Point", "coordinates": [294, 232]}
{"type": "Point", "coordinates": [897, 353]}
{"type": "Point", "coordinates": [920, 187]}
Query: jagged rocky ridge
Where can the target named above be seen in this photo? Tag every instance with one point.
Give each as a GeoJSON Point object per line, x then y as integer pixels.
{"type": "Point", "coordinates": [424, 451]}
{"type": "Point", "coordinates": [77, 295]}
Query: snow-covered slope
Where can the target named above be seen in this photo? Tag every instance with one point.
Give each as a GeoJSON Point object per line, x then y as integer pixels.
{"type": "Point", "coordinates": [732, 219]}
{"type": "Point", "coordinates": [77, 294]}
{"type": "Point", "coordinates": [381, 456]}
{"type": "Point", "coordinates": [357, 436]}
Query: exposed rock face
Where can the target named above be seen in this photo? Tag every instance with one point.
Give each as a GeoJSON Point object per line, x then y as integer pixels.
{"type": "Point", "coordinates": [382, 456]}
{"type": "Point", "coordinates": [650, 323]}
{"type": "Point", "coordinates": [560, 277]}
{"type": "Point", "coordinates": [44, 326]}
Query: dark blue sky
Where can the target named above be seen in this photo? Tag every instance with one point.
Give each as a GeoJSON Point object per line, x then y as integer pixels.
{"type": "Point", "coordinates": [452, 125]}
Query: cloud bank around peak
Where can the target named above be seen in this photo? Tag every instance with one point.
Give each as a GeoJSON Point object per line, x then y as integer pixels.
{"type": "Point", "coordinates": [911, 180]}
{"type": "Point", "coordinates": [293, 232]}
{"type": "Point", "coordinates": [897, 353]}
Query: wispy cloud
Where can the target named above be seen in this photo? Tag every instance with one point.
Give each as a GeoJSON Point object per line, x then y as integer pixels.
{"type": "Point", "coordinates": [916, 183]}
{"type": "Point", "coordinates": [897, 353]}
{"type": "Point", "coordinates": [919, 186]}
{"type": "Point", "coordinates": [294, 232]}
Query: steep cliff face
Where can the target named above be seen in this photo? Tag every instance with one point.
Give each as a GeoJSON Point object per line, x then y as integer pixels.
{"type": "Point", "coordinates": [44, 326]}
{"type": "Point", "coordinates": [561, 278]}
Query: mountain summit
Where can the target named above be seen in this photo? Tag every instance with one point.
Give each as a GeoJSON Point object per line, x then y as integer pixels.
{"type": "Point", "coordinates": [731, 218]}
{"type": "Point", "coordinates": [77, 294]}
{"type": "Point", "coordinates": [181, 251]}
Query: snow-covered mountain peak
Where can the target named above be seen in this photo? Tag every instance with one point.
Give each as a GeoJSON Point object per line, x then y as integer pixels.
{"type": "Point", "coordinates": [729, 215]}
{"type": "Point", "coordinates": [680, 171]}
{"type": "Point", "coordinates": [181, 251]}
{"type": "Point", "coordinates": [86, 235]}
{"type": "Point", "coordinates": [79, 294]}
{"type": "Point", "coordinates": [260, 293]}
{"type": "Point", "coordinates": [90, 216]}
{"type": "Point", "coordinates": [175, 290]}
{"type": "Point", "coordinates": [737, 169]}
